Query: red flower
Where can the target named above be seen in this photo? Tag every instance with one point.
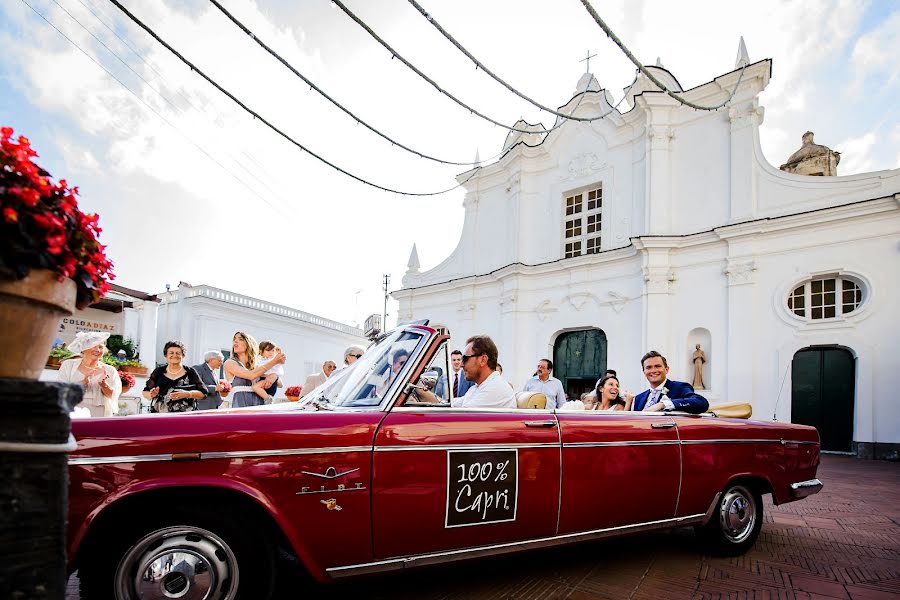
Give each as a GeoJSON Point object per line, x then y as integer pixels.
{"type": "Point", "coordinates": [10, 215]}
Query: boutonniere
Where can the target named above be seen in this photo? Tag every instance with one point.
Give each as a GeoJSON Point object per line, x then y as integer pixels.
{"type": "Point", "coordinates": [665, 394]}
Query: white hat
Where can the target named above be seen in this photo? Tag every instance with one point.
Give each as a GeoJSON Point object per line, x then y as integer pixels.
{"type": "Point", "coordinates": [86, 339]}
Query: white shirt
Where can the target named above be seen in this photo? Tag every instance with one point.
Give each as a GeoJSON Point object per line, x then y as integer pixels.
{"type": "Point", "coordinates": [493, 392]}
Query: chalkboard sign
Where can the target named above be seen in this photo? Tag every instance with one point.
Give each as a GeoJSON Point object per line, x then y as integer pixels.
{"type": "Point", "coordinates": [482, 486]}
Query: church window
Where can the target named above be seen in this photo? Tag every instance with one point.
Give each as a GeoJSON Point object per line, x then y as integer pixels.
{"type": "Point", "coordinates": [583, 222]}
{"type": "Point", "coordinates": [825, 298]}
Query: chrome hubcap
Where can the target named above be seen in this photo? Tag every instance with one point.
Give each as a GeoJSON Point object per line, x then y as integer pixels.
{"type": "Point", "coordinates": [737, 514]}
{"type": "Point", "coordinates": [186, 563]}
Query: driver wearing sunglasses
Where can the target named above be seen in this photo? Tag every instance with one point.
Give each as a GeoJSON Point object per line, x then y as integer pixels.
{"type": "Point", "coordinates": [479, 363]}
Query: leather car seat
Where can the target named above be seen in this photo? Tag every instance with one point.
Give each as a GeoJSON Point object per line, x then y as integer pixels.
{"type": "Point", "coordinates": [531, 400]}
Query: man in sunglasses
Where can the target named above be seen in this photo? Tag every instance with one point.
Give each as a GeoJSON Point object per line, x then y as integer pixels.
{"type": "Point", "coordinates": [352, 354]}
{"type": "Point", "coordinates": [490, 389]}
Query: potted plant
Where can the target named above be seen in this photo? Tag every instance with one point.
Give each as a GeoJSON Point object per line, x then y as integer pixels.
{"type": "Point", "coordinates": [127, 380]}
{"type": "Point", "coordinates": [293, 392]}
{"type": "Point", "coordinates": [132, 366]}
{"type": "Point", "coordinates": [57, 355]}
{"type": "Point", "coordinates": [117, 342]}
{"type": "Point", "coordinates": [50, 258]}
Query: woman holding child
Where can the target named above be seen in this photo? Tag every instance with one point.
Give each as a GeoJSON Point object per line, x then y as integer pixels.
{"type": "Point", "coordinates": [242, 367]}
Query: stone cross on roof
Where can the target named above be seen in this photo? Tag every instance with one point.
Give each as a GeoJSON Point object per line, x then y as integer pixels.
{"type": "Point", "coordinates": [587, 59]}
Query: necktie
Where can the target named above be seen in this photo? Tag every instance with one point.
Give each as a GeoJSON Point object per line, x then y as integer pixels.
{"type": "Point", "coordinates": [456, 385]}
{"type": "Point", "coordinates": [652, 399]}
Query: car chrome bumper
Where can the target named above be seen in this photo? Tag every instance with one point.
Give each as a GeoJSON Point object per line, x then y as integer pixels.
{"type": "Point", "coordinates": [802, 489]}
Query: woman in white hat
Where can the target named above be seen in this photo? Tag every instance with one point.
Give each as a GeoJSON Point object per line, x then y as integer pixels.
{"type": "Point", "coordinates": [101, 382]}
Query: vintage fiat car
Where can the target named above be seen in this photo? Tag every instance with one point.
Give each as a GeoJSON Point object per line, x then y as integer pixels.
{"type": "Point", "coordinates": [364, 477]}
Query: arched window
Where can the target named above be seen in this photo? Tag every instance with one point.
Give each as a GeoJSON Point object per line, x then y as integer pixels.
{"type": "Point", "coordinates": [826, 298]}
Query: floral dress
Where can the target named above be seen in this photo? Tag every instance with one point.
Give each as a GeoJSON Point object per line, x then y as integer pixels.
{"type": "Point", "coordinates": [242, 392]}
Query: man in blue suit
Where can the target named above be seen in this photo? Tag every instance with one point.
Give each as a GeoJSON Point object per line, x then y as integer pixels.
{"type": "Point", "coordinates": [458, 382]}
{"type": "Point", "coordinates": [664, 393]}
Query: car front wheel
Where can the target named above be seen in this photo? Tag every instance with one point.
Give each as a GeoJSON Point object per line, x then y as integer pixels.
{"type": "Point", "coordinates": [209, 561]}
{"type": "Point", "coordinates": [736, 522]}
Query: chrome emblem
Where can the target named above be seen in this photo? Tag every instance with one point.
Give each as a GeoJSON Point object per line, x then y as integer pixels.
{"type": "Point", "coordinates": [331, 504]}
{"type": "Point", "coordinates": [330, 473]}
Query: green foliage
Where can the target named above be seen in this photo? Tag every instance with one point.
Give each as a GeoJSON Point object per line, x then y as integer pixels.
{"type": "Point", "coordinates": [60, 352]}
{"type": "Point", "coordinates": [117, 342]}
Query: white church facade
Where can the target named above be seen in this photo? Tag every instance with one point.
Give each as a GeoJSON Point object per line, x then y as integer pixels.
{"type": "Point", "coordinates": [663, 227]}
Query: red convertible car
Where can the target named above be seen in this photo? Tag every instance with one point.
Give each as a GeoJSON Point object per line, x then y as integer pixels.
{"type": "Point", "coordinates": [365, 477]}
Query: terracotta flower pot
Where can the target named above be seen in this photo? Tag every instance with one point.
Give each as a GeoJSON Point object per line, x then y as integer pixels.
{"type": "Point", "coordinates": [134, 370]}
{"type": "Point", "coordinates": [53, 363]}
{"type": "Point", "coordinates": [292, 398]}
{"type": "Point", "coordinates": [30, 311]}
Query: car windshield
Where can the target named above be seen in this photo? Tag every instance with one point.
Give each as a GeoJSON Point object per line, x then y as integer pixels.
{"type": "Point", "coordinates": [369, 380]}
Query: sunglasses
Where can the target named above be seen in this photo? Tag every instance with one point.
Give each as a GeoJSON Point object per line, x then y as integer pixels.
{"type": "Point", "coordinates": [355, 355]}
{"type": "Point", "coordinates": [466, 357]}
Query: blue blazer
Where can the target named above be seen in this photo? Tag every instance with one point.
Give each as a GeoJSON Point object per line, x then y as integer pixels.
{"type": "Point", "coordinates": [464, 385]}
{"type": "Point", "coordinates": [682, 396]}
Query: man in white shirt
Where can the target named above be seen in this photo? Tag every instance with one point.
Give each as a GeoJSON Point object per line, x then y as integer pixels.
{"type": "Point", "coordinates": [490, 389]}
{"type": "Point", "coordinates": [546, 384]}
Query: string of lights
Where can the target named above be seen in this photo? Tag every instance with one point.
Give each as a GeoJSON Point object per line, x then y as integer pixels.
{"type": "Point", "coordinates": [313, 86]}
{"type": "Point", "coordinates": [159, 93]}
{"type": "Point", "coordinates": [149, 107]}
{"type": "Point", "coordinates": [266, 122]}
{"type": "Point", "coordinates": [480, 65]}
{"type": "Point", "coordinates": [414, 69]}
{"type": "Point", "coordinates": [648, 74]}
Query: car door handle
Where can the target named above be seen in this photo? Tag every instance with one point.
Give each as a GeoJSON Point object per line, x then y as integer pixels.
{"type": "Point", "coordinates": [548, 423]}
{"type": "Point", "coordinates": [668, 425]}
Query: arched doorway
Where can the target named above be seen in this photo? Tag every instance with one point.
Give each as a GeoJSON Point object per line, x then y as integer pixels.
{"type": "Point", "coordinates": [823, 392]}
{"type": "Point", "coordinates": [579, 359]}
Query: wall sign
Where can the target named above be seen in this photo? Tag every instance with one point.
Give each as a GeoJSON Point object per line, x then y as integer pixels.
{"type": "Point", "coordinates": [482, 487]}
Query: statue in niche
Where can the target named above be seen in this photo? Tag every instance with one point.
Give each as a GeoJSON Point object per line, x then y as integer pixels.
{"type": "Point", "coordinates": [699, 358]}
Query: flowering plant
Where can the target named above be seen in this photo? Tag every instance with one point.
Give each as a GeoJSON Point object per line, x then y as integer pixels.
{"type": "Point", "coordinates": [127, 379]}
{"type": "Point", "coordinates": [41, 226]}
{"type": "Point", "coordinates": [294, 390]}
{"type": "Point", "coordinates": [226, 387]}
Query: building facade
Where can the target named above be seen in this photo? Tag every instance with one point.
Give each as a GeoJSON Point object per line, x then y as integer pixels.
{"type": "Point", "coordinates": [664, 227]}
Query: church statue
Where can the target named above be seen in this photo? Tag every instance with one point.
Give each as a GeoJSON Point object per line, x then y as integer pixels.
{"type": "Point", "coordinates": [812, 159]}
{"type": "Point", "coordinates": [699, 358]}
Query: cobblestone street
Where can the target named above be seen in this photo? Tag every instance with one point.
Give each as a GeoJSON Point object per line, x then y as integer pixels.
{"type": "Point", "coordinates": [842, 543]}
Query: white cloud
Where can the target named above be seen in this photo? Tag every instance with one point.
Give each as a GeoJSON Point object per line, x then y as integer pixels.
{"type": "Point", "coordinates": [856, 154]}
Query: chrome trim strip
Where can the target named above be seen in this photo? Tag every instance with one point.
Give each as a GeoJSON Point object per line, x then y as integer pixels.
{"type": "Point", "coordinates": [70, 445]}
{"type": "Point", "coordinates": [521, 412]}
{"type": "Point", "coordinates": [467, 447]}
{"type": "Point", "coordinates": [285, 452]}
{"type": "Point", "coordinates": [555, 540]}
{"type": "Point", "coordinates": [108, 460]}
{"type": "Point", "coordinates": [733, 441]}
{"type": "Point", "coordinates": [802, 489]}
{"type": "Point", "coordinates": [622, 443]}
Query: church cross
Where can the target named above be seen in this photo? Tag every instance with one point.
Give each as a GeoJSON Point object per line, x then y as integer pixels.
{"type": "Point", "coordinates": [587, 59]}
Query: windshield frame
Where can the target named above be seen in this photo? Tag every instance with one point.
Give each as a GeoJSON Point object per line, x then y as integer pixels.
{"type": "Point", "coordinates": [321, 393]}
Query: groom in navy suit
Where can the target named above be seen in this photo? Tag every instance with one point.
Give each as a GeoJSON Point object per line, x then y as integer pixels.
{"type": "Point", "coordinates": [664, 393]}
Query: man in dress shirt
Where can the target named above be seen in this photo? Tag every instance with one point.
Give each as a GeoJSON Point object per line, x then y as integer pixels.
{"type": "Point", "coordinates": [489, 389]}
{"type": "Point", "coordinates": [665, 393]}
{"type": "Point", "coordinates": [548, 385]}
{"type": "Point", "coordinates": [458, 382]}
{"type": "Point", "coordinates": [209, 374]}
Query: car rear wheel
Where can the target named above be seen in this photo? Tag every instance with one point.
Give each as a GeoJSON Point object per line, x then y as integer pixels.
{"type": "Point", "coordinates": [736, 522]}
{"type": "Point", "coordinates": [188, 558]}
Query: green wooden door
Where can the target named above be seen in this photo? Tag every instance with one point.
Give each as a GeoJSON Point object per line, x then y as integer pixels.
{"type": "Point", "coordinates": [822, 394]}
{"type": "Point", "coordinates": [579, 359]}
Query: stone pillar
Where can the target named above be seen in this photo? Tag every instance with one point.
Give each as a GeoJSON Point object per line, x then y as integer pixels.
{"type": "Point", "coordinates": [34, 441]}
{"type": "Point", "coordinates": [745, 120]}
{"type": "Point", "coordinates": [147, 344]}
{"type": "Point", "coordinates": [659, 279]}
{"type": "Point", "coordinates": [741, 344]}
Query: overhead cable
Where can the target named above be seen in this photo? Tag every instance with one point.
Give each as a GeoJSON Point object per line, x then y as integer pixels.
{"type": "Point", "coordinates": [266, 122]}
{"type": "Point", "coordinates": [648, 74]}
{"type": "Point", "coordinates": [313, 86]}
{"type": "Point", "coordinates": [153, 110]}
{"type": "Point", "coordinates": [436, 86]}
{"type": "Point", "coordinates": [147, 83]}
{"type": "Point", "coordinates": [481, 66]}
{"type": "Point", "coordinates": [158, 76]}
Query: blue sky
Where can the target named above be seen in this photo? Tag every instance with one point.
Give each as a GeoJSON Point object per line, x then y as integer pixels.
{"type": "Point", "coordinates": [296, 232]}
